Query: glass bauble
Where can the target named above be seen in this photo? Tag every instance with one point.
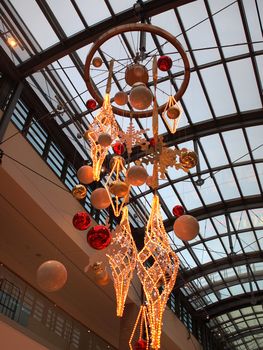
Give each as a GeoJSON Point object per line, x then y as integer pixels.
{"type": "Point", "coordinates": [178, 210]}
{"type": "Point", "coordinates": [186, 227]}
{"type": "Point", "coordinates": [81, 220]}
{"type": "Point", "coordinates": [85, 174]}
{"type": "Point", "coordinates": [118, 148]}
{"type": "Point", "coordinates": [164, 63]}
{"type": "Point", "coordinates": [79, 191]}
{"type": "Point", "coordinates": [136, 73]}
{"type": "Point", "coordinates": [91, 104]}
{"type": "Point", "coordinates": [99, 237]}
{"type": "Point", "coordinates": [51, 276]}
{"type": "Point", "coordinates": [141, 344]}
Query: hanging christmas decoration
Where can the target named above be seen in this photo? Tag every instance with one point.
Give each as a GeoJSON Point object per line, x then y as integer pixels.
{"type": "Point", "coordinates": [85, 174]}
{"type": "Point", "coordinates": [142, 323]}
{"type": "Point", "coordinates": [100, 273]}
{"type": "Point", "coordinates": [121, 98]}
{"type": "Point", "coordinates": [140, 96]}
{"type": "Point", "coordinates": [81, 220]}
{"type": "Point", "coordinates": [122, 260]}
{"type": "Point", "coordinates": [51, 276]}
{"type": "Point", "coordinates": [136, 175]}
{"type": "Point", "coordinates": [100, 199]}
{"type": "Point", "coordinates": [116, 186]}
{"type": "Point", "coordinates": [161, 260]}
{"type": "Point", "coordinates": [118, 148]}
{"type": "Point", "coordinates": [97, 62]}
{"type": "Point", "coordinates": [178, 211]}
{"type": "Point", "coordinates": [91, 104]}
{"type": "Point", "coordinates": [188, 158]}
{"type": "Point", "coordinates": [136, 73]}
{"type": "Point", "coordinates": [132, 137]}
{"type": "Point", "coordinates": [79, 191]}
{"type": "Point", "coordinates": [186, 227]}
{"type": "Point", "coordinates": [99, 237]}
{"type": "Point", "coordinates": [103, 124]}
{"type": "Point", "coordinates": [172, 114]}
{"type": "Point", "coordinates": [164, 63]}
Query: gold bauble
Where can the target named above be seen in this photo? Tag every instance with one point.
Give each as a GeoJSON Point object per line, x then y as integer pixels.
{"type": "Point", "coordinates": [140, 96]}
{"type": "Point", "coordinates": [79, 191]}
{"type": "Point", "coordinates": [188, 158]}
{"type": "Point", "coordinates": [104, 139]}
{"type": "Point", "coordinates": [173, 112]}
{"type": "Point", "coordinates": [85, 174]}
{"type": "Point", "coordinates": [121, 98]}
{"type": "Point", "coordinates": [119, 188]}
{"type": "Point", "coordinates": [97, 62]}
{"type": "Point", "coordinates": [100, 199]}
{"type": "Point", "coordinates": [113, 160]}
{"type": "Point", "coordinates": [136, 175]}
{"type": "Point", "coordinates": [186, 227]}
{"type": "Point", "coordinates": [136, 73]}
{"type": "Point", "coordinates": [102, 279]}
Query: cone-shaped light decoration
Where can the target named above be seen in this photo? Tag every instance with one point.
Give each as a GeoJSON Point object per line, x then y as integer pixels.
{"type": "Point", "coordinates": [122, 260]}
{"type": "Point", "coordinates": [103, 123]}
{"type": "Point", "coordinates": [157, 266]}
{"type": "Point", "coordinates": [141, 321]}
{"type": "Point", "coordinates": [172, 114]}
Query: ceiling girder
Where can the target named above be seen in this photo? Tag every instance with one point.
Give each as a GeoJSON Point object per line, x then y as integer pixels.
{"type": "Point", "coordinates": [233, 303]}
{"type": "Point", "coordinates": [209, 127]}
{"type": "Point", "coordinates": [222, 264]}
{"type": "Point", "coordinates": [88, 36]}
{"type": "Point", "coordinates": [248, 332]}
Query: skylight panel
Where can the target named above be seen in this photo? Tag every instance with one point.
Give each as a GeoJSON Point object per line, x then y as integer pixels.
{"type": "Point", "coordinates": [66, 15]}
{"type": "Point", "coordinates": [227, 184]}
{"type": "Point", "coordinates": [253, 21]}
{"type": "Point", "coordinates": [230, 29]}
{"type": "Point", "coordinates": [244, 83]}
{"type": "Point", "coordinates": [93, 11]}
{"type": "Point", "coordinates": [247, 180]}
{"type": "Point", "coordinates": [233, 138]}
{"type": "Point", "coordinates": [214, 150]}
{"type": "Point", "coordinates": [36, 22]}
{"type": "Point", "coordinates": [255, 140]}
{"type": "Point", "coordinates": [195, 101]}
{"type": "Point", "coordinates": [189, 195]}
{"type": "Point", "coordinates": [168, 21]}
{"type": "Point", "coordinates": [119, 6]}
{"type": "Point", "coordinates": [216, 249]}
{"type": "Point", "coordinates": [209, 192]}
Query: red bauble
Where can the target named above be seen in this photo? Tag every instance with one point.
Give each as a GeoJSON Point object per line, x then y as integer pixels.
{"type": "Point", "coordinates": [164, 63]}
{"type": "Point", "coordinates": [141, 344]}
{"type": "Point", "coordinates": [91, 104]}
{"type": "Point", "coordinates": [99, 237]}
{"type": "Point", "coordinates": [118, 148]}
{"type": "Point", "coordinates": [81, 220]}
{"type": "Point", "coordinates": [178, 210]}
{"type": "Point", "coordinates": [152, 142]}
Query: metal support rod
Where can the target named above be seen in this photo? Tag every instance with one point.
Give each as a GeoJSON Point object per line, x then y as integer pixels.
{"type": "Point", "coordinates": [229, 236]}
{"type": "Point", "coordinates": [10, 109]}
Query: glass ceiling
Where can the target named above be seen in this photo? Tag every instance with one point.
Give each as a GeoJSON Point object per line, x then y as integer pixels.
{"type": "Point", "coordinates": [221, 269]}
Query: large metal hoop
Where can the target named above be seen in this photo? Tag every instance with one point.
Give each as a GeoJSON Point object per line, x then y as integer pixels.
{"type": "Point", "coordinates": [141, 27]}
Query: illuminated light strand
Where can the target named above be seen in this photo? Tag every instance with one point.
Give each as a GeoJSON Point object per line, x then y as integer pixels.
{"type": "Point", "coordinates": [104, 122]}
{"type": "Point", "coordinates": [115, 175]}
{"type": "Point", "coordinates": [122, 260]}
{"type": "Point", "coordinates": [157, 266]}
{"type": "Point", "coordinates": [142, 317]}
{"type": "Point", "coordinates": [172, 124]}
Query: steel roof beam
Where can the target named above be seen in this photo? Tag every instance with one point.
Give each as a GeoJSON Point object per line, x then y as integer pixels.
{"type": "Point", "coordinates": [222, 264]}
{"type": "Point", "coordinates": [233, 303]}
{"type": "Point", "coordinates": [209, 127]}
{"type": "Point", "coordinates": [87, 36]}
